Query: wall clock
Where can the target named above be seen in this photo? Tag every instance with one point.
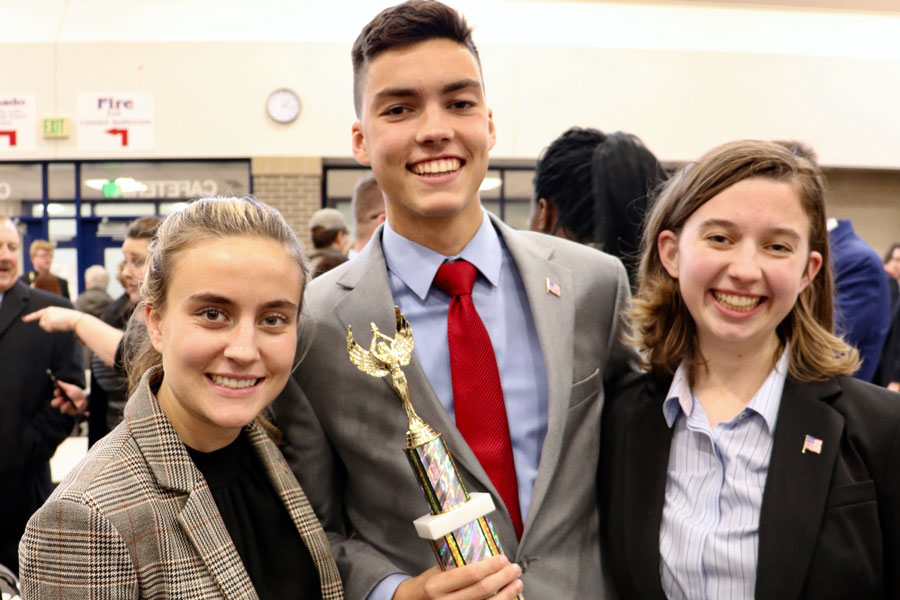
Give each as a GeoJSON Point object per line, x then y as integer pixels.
{"type": "Point", "coordinates": [283, 105]}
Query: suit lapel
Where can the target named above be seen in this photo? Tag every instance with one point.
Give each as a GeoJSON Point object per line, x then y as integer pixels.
{"type": "Point", "coordinates": [173, 469]}
{"type": "Point", "coordinates": [553, 318]}
{"type": "Point", "coordinates": [796, 487]}
{"type": "Point", "coordinates": [14, 301]}
{"type": "Point", "coordinates": [647, 443]}
{"type": "Point", "coordinates": [369, 300]}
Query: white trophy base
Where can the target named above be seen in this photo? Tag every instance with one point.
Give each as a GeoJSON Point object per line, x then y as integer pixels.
{"type": "Point", "coordinates": [434, 527]}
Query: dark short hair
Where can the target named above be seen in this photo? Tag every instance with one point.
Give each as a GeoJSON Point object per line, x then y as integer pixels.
{"type": "Point", "coordinates": [409, 23]}
{"type": "Point", "coordinates": [890, 252]}
{"type": "Point", "coordinates": [322, 238]}
{"type": "Point", "coordinates": [143, 228]}
{"type": "Point", "coordinates": [599, 184]}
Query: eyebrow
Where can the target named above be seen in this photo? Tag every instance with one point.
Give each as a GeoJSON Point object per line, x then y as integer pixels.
{"type": "Point", "coordinates": [406, 92]}
{"type": "Point", "coordinates": [785, 231]}
{"type": "Point", "coordinates": [216, 299]}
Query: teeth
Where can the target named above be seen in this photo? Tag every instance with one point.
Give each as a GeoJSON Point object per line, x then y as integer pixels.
{"type": "Point", "coordinates": [230, 382]}
{"type": "Point", "coordinates": [433, 167]}
{"type": "Point", "coordinates": [739, 303]}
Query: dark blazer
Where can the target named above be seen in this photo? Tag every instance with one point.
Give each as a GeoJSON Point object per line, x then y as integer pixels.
{"type": "Point", "coordinates": [30, 429]}
{"type": "Point", "coordinates": [830, 522]}
{"type": "Point", "coordinates": [29, 277]}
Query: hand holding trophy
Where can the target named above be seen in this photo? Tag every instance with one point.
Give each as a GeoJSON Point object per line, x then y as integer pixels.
{"type": "Point", "coordinates": [457, 527]}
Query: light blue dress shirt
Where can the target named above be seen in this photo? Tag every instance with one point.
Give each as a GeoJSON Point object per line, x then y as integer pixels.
{"type": "Point", "coordinates": [709, 537]}
{"type": "Point", "coordinates": [500, 300]}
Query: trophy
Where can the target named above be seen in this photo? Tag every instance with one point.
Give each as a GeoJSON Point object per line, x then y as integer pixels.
{"type": "Point", "coordinates": [457, 527]}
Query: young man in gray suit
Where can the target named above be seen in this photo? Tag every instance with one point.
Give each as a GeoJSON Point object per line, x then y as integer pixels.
{"type": "Point", "coordinates": [549, 306]}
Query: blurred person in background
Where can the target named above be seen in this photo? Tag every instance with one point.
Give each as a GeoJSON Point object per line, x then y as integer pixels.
{"type": "Point", "coordinates": [892, 260]}
{"type": "Point", "coordinates": [888, 372]}
{"type": "Point", "coordinates": [367, 207]}
{"type": "Point", "coordinates": [94, 299]}
{"type": "Point", "coordinates": [109, 387]}
{"type": "Point", "coordinates": [48, 283]}
{"type": "Point", "coordinates": [30, 427]}
{"type": "Point", "coordinates": [593, 188]}
{"type": "Point", "coordinates": [328, 230]}
{"type": "Point", "coordinates": [41, 253]}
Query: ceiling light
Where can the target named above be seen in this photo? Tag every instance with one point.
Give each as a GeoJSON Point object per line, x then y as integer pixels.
{"type": "Point", "coordinates": [126, 184]}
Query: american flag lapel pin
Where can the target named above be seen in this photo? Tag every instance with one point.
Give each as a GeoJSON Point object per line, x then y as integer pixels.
{"type": "Point", "coordinates": [813, 444]}
{"type": "Point", "coordinates": [553, 288]}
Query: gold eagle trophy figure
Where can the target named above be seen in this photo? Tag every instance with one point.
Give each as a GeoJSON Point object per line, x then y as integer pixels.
{"type": "Point", "coordinates": [457, 527]}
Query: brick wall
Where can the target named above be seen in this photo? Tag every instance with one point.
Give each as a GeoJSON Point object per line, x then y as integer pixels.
{"type": "Point", "coordinates": [293, 185]}
{"type": "Point", "coordinates": [10, 208]}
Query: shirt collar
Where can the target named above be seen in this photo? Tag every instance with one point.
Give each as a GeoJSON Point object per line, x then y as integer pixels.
{"type": "Point", "coordinates": [765, 401]}
{"type": "Point", "coordinates": [417, 265]}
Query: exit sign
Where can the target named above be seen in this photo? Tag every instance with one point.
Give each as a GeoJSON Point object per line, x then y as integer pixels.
{"type": "Point", "coordinates": [55, 128]}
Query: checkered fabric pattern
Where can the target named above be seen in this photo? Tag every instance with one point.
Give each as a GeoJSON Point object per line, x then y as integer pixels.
{"type": "Point", "coordinates": [137, 519]}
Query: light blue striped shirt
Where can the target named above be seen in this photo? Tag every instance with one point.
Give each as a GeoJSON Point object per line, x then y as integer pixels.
{"type": "Point", "coordinates": [500, 299]}
{"type": "Point", "coordinates": [708, 540]}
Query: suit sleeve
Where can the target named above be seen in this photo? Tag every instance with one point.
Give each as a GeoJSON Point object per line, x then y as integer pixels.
{"type": "Point", "coordinates": [71, 551]}
{"type": "Point", "coordinates": [321, 475]}
{"type": "Point", "coordinates": [48, 427]}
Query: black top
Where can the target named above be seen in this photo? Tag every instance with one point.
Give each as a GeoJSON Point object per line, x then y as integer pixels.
{"type": "Point", "coordinates": [277, 560]}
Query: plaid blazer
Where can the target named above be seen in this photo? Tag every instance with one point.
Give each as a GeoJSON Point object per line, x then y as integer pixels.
{"type": "Point", "coordinates": [136, 519]}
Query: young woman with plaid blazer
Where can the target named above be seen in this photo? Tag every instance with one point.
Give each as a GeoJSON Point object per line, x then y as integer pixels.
{"type": "Point", "coordinates": [189, 497]}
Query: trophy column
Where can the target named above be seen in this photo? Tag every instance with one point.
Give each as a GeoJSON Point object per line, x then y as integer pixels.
{"type": "Point", "coordinates": [457, 527]}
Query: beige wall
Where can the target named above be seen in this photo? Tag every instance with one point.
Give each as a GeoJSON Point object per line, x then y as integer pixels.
{"type": "Point", "coordinates": [682, 77]}
{"type": "Point", "coordinates": [871, 200]}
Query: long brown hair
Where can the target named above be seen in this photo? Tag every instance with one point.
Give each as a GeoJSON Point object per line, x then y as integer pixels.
{"type": "Point", "coordinates": [661, 325]}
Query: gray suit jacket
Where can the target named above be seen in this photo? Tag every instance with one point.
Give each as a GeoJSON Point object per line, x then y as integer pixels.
{"type": "Point", "coordinates": [345, 430]}
{"type": "Point", "coordinates": [136, 519]}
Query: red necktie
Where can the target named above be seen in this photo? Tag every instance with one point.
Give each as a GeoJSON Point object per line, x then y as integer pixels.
{"type": "Point", "coordinates": [477, 395]}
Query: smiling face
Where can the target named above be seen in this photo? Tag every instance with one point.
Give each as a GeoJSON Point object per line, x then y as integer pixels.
{"type": "Point", "coordinates": [741, 260]}
{"type": "Point", "coordinates": [136, 253]}
{"type": "Point", "coordinates": [227, 334]}
{"type": "Point", "coordinates": [9, 254]}
{"type": "Point", "coordinates": [426, 132]}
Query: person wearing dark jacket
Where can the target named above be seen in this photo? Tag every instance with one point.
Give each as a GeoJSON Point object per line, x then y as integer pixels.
{"type": "Point", "coordinates": [30, 428]}
{"type": "Point", "coordinates": [104, 337]}
{"type": "Point", "coordinates": [41, 254]}
{"type": "Point", "coordinates": [746, 462]}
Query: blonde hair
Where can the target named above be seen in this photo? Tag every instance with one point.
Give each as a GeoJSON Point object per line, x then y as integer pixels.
{"type": "Point", "coordinates": [661, 325]}
{"type": "Point", "coordinates": [38, 245]}
{"type": "Point", "coordinates": [202, 220]}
